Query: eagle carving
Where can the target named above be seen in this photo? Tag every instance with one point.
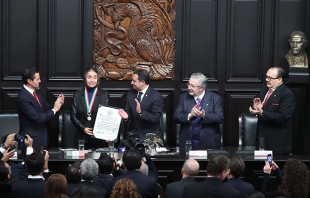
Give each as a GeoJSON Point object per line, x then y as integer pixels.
{"type": "Point", "coordinates": [134, 34]}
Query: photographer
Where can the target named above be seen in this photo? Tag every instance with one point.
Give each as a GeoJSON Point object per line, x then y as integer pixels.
{"type": "Point", "coordinates": [147, 186]}
{"type": "Point", "coordinates": [5, 154]}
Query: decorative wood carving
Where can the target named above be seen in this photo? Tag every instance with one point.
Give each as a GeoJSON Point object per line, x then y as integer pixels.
{"type": "Point", "coordinates": [129, 35]}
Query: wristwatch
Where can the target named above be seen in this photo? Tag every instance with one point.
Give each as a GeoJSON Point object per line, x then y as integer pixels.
{"type": "Point", "coordinates": [5, 147]}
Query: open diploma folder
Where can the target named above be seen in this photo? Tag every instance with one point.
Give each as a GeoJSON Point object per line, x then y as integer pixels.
{"type": "Point", "coordinates": [107, 123]}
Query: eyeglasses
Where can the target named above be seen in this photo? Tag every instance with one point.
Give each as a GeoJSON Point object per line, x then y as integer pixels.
{"type": "Point", "coordinates": [192, 86]}
{"type": "Point", "coordinates": [270, 78]}
{"type": "Point", "coordinates": [296, 42]}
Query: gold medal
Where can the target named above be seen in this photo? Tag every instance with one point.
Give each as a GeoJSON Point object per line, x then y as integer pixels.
{"type": "Point", "coordinates": [89, 118]}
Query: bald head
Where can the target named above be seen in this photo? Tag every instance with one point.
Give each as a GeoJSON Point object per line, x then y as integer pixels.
{"type": "Point", "coordinates": [190, 168]}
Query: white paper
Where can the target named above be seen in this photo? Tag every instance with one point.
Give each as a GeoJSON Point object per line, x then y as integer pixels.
{"type": "Point", "coordinates": [107, 123]}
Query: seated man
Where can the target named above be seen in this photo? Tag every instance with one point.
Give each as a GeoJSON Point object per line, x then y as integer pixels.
{"type": "Point", "coordinates": [236, 169]}
{"type": "Point", "coordinates": [212, 186]}
{"type": "Point", "coordinates": [147, 186]}
{"type": "Point", "coordinates": [189, 171]}
{"type": "Point", "coordinates": [88, 170]}
{"type": "Point", "coordinates": [34, 185]}
{"type": "Point", "coordinates": [106, 166]}
{"type": "Point", "coordinates": [73, 177]}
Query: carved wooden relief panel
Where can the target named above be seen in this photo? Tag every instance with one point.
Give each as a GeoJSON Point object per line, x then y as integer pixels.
{"type": "Point", "coordinates": [129, 35]}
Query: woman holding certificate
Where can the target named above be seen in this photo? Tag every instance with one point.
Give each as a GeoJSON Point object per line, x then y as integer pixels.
{"type": "Point", "coordinates": [85, 106]}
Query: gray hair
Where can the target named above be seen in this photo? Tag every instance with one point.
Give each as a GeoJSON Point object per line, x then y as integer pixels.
{"type": "Point", "coordinates": [203, 80]}
{"type": "Point", "coordinates": [89, 169]}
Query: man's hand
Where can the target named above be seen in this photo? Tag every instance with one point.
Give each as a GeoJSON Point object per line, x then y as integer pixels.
{"type": "Point", "coordinates": [61, 99]}
{"type": "Point", "coordinates": [259, 111]}
{"type": "Point", "coordinates": [10, 140]}
{"type": "Point", "coordinates": [46, 157]}
{"type": "Point", "coordinates": [138, 107]}
{"type": "Point", "coordinates": [123, 114]}
{"type": "Point", "coordinates": [57, 105]}
{"type": "Point", "coordinates": [195, 112]}
{"type": "Point", "coordinates": [7, 155]}
{"type": "Point", "coordinates": [28, 141]}
{"type": "Point", "coordinates": [257, 103]}
{"type": "Point", "coordinates": [267, 168]}
{"type": "Point", "coordinates": [274, 166]}
{"type": "Point", "coordinates": [88, 131]}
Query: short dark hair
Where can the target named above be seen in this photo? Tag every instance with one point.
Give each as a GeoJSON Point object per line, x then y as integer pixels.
{"type": "Point", "coordinates": [236, 166]}
{"type": "Point", "coordinates": [132, 159]}
{"type": "Point", "coordinates": [28, 73]}
{"type": "Point", "coordinates": [143, 75]}
{"type": "Point", "coordinates": [93, 70]}
{"type": "Point", "coordinates": [281, 73]}
{"type": "Point", "coordinates": [105, 163]}
{"type": "Point", "coordinates": [217, 164]}
{"type": "Point", "coordinates": [4, 171]}
{"type": "Point", "coordinates": [72, 174]}
{"type": "Point", "coordinates": [35, 163]}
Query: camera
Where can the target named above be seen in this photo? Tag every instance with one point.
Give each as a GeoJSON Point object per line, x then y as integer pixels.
{"type": "Point", "coordinates": [20, 138]}
{"type": "Point", "coordinates": [269, 159]}
{"type": "Point", "coordinates": [121, 149]}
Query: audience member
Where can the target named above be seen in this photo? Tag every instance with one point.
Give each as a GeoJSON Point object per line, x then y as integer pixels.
{"type": "Point", "coordinates": [86, 192]}
{"type": "Point", "coordinates": [296, 179]}
{"type": "Point", "coordinates": [255, 194]}
{"type": "Point", "coordinates": [106, 166]}
{"type": "Point", "coordinates": [148, 168]}
{"type": "Point", "coordinates": [147, 186]}
{"type": "Point", "coordinates": [125, 188]}
{"type": "Point", "coordinates": [212, 187]}
{"type": "Point", "coordinates": [56, 186]}
{"type": "Point", "coordinates": [89, 170]}
{"type": "Point", "coordinates": [73, 178]}
{"type": "Point", "coordinates": [34, 185]}
{"type": "Point", "coordinates": [5, 154]}
{"type": "Point", "coordinates": [235, 171]}
{"type": "Point", "coordinates": [5, 184]}
{"type": "Point", "coordinates": [189, 171]}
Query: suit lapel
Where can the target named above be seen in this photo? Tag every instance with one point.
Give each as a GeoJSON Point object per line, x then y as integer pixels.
{"type": "Point", "coordinates": [146, 95]}
{"type": "Point", "coordinates": [276, 92]}
{"type": "Point", "coordinates": [33, 100]}
{"type": "Point", "coordinates": [82, 101]}
{"type": "Point", "coordinates": [206, 101]}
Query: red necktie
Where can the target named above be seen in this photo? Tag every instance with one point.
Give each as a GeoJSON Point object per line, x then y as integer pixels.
{"type": "Point", "coordinates": [267, 97]}
{"type": "Point", "coordinates": [36, 97]}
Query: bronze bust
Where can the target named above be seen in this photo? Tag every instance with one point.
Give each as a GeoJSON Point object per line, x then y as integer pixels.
{"type": "Point", "coordinates": [297, 56]}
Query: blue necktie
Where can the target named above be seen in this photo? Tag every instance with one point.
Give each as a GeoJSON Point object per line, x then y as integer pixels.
{"type": "Point", "coordinates": [139, 96]}
{"type": "Point", "coordinates": [196, 128]}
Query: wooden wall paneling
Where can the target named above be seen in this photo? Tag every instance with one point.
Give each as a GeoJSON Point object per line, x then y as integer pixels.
{"type": "Point", "coordinates": [19, 41]}
{"type": "Point", "coordinates": [66, 41]}
{"type": "Point", "coordinates": [200, 49]}
{"type": "Point", "coordinates": [289, 17]}
{"type": "Point", "coordinates": [244, 50]}
{"type": "Point", "coordinates": [238, 101]}
{"type": "Point", "coordinates": [8, 97]}
{"type": "Point", "coordinates": [299, 117]}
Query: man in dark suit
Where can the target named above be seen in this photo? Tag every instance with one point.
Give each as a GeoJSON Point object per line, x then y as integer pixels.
{"type": "Point", "coordinates": [189, 171]}
{"type": "Point", "coordinates": [235, 171]}
{"type": "Point", "coordinates": [200, 114]}
{"type": "Point", "coordinates": [212, 186]}
{"type": "Point", "coordinates": [274, 106]}
{"type": "Point", "coordinates": [144, 106]}
{"type": "Point", "coordinates": [89, 170]}
{"type": "Point", "coordinates": [34, 185]}
{"type": "Point", "coordinates": [147, 186]}
{"type": "Point", "coordinates": [33, 110]}
{"type": "Point", "coordinates": [106, 166]}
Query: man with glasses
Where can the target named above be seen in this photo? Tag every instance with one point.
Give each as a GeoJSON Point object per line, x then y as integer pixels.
{"type": "Point", "coordinates": [200, 114]}
{"type": "Point", "coordinates": [274, 107]}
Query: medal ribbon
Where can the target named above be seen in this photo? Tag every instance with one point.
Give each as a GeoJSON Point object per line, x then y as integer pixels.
{"type": "Point", "coordinates": [90, 102]}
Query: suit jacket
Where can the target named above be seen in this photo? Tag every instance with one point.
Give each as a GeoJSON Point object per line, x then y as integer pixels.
{"type": "Point", "coordinates": [175, 189]}
{"type": "Point", "coordinates": [79, 111]}
{"type": "Point", "coordinates": [147, 186]}
{"type": "Point", "coordinates": [32, 117]}
{"type": "Point", "coordinates": [242, 187]}
{"type": "Point", "coordinates": [212, 188]}
{"type": "Point", "coordinates": [275, 124]}
{"type": "Point", "coordinates": [104, 181]}
{"type": "Point", "coordinates": [29, 188]}
{"type": "Point", "coordinates": [210, 135]}
{"type": "Point", "coordinates": [90, 184]}
{"type": "Point", "coordinates": [151, 109]}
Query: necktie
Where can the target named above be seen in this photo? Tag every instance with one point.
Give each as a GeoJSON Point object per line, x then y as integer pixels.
{"type": "Point", "coordinates": [198, 100]}
{"type": "Point", "coordinates": [139, 96]}
{"type": "Point", "coordinates": [267, 97]}
{"type": "Point", "coordinates": [36, 97]}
